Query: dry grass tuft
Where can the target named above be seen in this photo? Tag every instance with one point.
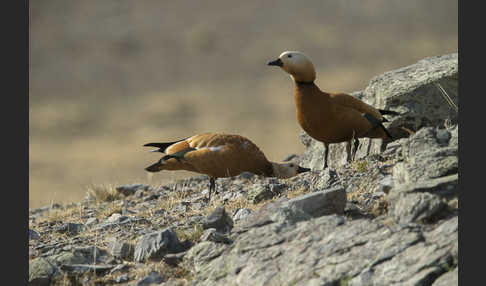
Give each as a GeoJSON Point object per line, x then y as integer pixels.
{"type": "Point", "coordinates": [380, 207]}
{"type": "Point", "coordinates": [102, 193]}
{"type": "Point", "coordinates": [193, 235]}
{"type": "Point", "coordinates": [354, 196]}
{"type": "Point", "coordinates": [297, 192]}
{"type": "Point", "coordinates": [71, 214]}
{"type": "Point", "coordinates": [107, 211]}
{"type": "Point", "coordinates": [360, 166]}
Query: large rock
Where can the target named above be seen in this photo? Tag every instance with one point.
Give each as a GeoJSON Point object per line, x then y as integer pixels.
{"type": "Point", "coordinates": [326, 251]}
{"type": "Point", "coordinates": [427, 177]}
{"type": "Point", "coordinates": [155, 245]}
{"type": "Point", "coordinates": [416, 207]}
{"type": "Point", "coordinates": [410, 91]}
{"type": "Point", "coordinates": [427, 154]}
{"type": "Point", "coordinates": [326, 202]}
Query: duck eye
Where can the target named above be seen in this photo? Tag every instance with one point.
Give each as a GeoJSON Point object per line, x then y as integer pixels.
{"type": "Point", "coordinates": [291, 165]}
{"type": "Point", "coordinates": [289, 56]}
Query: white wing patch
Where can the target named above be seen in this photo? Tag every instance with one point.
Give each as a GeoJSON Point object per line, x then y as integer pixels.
{"type": "Point", "coordinates": [212, 149]}
{"type": "Point", "coordinates": [216, 148]}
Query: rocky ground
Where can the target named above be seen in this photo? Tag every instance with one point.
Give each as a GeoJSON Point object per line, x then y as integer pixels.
{"type": "Point", "coordinates": [390, 217]}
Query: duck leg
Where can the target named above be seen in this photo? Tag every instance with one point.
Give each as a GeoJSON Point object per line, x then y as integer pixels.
{"type": "Point", "coordinates": [212, 187]}
{"type": "Point", "coordinates": [326, 153]}
{"type": "Point", "coordinates": [349, 149]}
{"type": "Point", "coordinates": [356, 145]}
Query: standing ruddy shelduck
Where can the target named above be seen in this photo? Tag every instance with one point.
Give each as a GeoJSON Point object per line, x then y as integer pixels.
{"type": "Point", "coordinates": [219, 155]}
{"type": "Point", "coordinates": [329, 117]}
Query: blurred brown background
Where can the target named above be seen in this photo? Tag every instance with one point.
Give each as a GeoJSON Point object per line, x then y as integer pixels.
{"type": "Point", "coordinates": [108, 76]}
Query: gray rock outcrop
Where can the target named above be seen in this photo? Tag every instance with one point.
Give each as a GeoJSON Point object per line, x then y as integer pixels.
{"type": "Point", "coordinates": [412, 92]}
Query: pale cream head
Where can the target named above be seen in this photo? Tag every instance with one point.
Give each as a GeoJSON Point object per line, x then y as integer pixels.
{"type": "Point", "coordinates": [298, 65]}
{"type": "Point", "coordinates": [287, 169]}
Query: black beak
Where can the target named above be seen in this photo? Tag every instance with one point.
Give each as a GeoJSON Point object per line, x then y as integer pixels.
{"type": "Point", "coordinates": [302, 170]}
{"type": "Point", "coordinates": [153, 168]}
{"type": "Point", "coordinates": [276, 62]}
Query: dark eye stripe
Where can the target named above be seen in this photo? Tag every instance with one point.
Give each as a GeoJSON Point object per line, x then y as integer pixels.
{"type": "Point", "coordinates": [289, 56]}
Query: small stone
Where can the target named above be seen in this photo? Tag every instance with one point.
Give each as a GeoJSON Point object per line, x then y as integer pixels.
{"type": "Point", "coordinates": [258, 193]}
{"type": "Point", "coordinates": [128, 190]}
{"type": "Point", "coordinates": [174, 258]}
{"type": "Point", "coordinates": [120, 249]}
{"type": "Point", "coordinates": [219, 220]}
{"type": "Point", "coordinates": [241, 214]}
{"type": "Point", "coordinates": [91, 221]}
{"type": "Point", "coordinates": [152, 278]}
{"type": "Point", "coordinates": [151, 197]}
{"type": "Point", "coordinates": [386, 184]}
{"type": "Point", "coordinates": [160, 212]}
{"type": "Point", "coordinates": [33, 234]}
{"type": "Point", "coordinates": [122, 278]}
{"type": "Point", "coordinates": [116, 218]}
{"type": "Point", "coordinates": [443, 136]}
{"type": "Point", "coordinates": [212, 235]}
{"type": "Point", "coordinates": [70, 228]}
{"type": "Point", "coordinates": [139, 193]}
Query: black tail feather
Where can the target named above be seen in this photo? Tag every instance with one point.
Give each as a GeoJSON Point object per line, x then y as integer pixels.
{"type": "Point", "coordinates": [375, 123]}
{"type": "Point", "coordinates": [386, 131]}
{"type": "Point", "coordinates": [163, 146]}
{"type": "Point", "coordinates": [178, 155]}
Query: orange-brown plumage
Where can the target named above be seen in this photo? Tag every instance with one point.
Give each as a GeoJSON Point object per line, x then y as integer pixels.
{"type": "Point", "coordinates": [332, 118]}
{"type": "Point", "coordinates": [328, 117]}
{"type": "Point", "coordinates": [219, 155]}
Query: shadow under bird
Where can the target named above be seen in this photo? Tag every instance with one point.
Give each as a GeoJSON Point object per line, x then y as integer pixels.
{"type": "Point", "coordinates": [219, 155]}
{"type": "Point", "coordinates": [330, 117]}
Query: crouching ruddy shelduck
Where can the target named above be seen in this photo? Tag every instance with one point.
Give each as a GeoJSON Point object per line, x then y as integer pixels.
{"type": "Point", "coordinates": [219, 155]}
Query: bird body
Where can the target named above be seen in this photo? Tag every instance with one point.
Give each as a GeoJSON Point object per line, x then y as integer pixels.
{"type": "Point", "coordinates": [329, 117]}
{"type": "Point", "coordinates": [219, 155]}
{"type": "Point", "coordinates": [334, 118]}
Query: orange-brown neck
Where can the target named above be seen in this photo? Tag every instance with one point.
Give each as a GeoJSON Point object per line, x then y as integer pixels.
{"type": "Point", "coordinates": [310, 102]}
{"type": "Point", "coordinates": [313, 108]}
